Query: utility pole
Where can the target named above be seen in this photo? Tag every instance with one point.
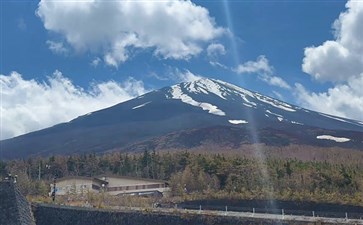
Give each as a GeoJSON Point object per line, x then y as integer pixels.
{"type": "Point", "coordinates": [54, 189]}
{"type": "Point", "coordinates": [39, 171]}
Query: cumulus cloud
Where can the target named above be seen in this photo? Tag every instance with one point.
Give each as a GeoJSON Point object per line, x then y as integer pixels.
{"type": "Point", "coordinates": [29, 105]}
{"type": "Point", "coordinates": [186, 76]}
{"type": "Point", "coordinates": [339, 59]}
{"type": "Point", "coordinates": [275, 81]}
{"type": "Point", "coordinates": [345, 100]}
{"type": "Point", "coordinates": [57, 47]}
{"type": "Point", "coordinates": [175, 75]}
{"type": "Point", "coordinates": [215, 49]}
{"type": "Point", "coordinates": [278, 95]}
{"type": "Point", "coordinates": [95, 62]}
{"type": "Point", "coordinates": [264, 70]}
{"type": "Point", "coordinates": [172, 29]}
{"type": "Point", "coordinates": [261, 65]}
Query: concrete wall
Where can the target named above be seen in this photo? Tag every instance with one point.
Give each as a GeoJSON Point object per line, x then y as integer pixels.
{"type": "Point", "coordinates": [61, 215]}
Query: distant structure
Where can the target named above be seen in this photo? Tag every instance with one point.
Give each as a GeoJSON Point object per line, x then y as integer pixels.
{"type": "Point", "coordinates": [110, 184]}
{"type": "Point", "coordinates": [11, 178]}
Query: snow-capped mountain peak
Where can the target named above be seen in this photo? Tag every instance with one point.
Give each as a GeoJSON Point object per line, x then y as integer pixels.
{"type": "Point", "coordinates": [198, 105]}
{"type": "Point", "coordinates": [189, 92]}
{"type": "Point", "coordinates": [234, 103]}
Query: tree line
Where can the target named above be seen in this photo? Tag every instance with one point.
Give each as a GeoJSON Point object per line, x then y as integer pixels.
{"type": "Point", "coordinates": [204, 175]}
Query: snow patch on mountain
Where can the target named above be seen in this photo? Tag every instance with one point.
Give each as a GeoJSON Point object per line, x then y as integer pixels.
{"type": "Point", "coordinates": [142, 105]}
{"type": "Point", "coordinates": [200, 93]}
{"type": "Point", "coordinates": [340, 119]}
{"type": "Point", "coordinates": [244, 93]}
{"type": "Point", "coordinates": [195, 88]}
{"type": "Point", "coordinates": [278, 116]}
{"type": "Point", "coordinates": [248, 105]}
{"type": "Point", "coordinates": [235, 88]}
{"type": "Point", "coordinates": [244, 97]}
{"type": "Point", "coordinates": [275, 103]}
{"type": "Point", "coordinates": [336, 139]}
{"type": "Point", "coordinates": [237, 121]}
{"type": "Point", "coordinates": [334, 118]}
{"type": "Point", "coordinates": [275, 114]}
{"type": "Point", "coordinates": [294, 122]}
{"type": "Point", "coordinates": [207, 85]}
{"type": "Point", "coordinates": [177, 93]}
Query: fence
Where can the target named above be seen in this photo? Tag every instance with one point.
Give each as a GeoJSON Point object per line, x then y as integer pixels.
{"type": "Point", "coordinates": [317, 213]}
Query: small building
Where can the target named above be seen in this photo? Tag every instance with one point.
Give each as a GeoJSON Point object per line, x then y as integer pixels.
{"type": "Point", "coordinates": [117, 185]}
{"type": "Point", "coordinates": [78, 185]}
{"type": "Point", "coordinates": [110, 184]}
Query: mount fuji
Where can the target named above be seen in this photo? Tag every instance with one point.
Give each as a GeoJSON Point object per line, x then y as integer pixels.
{"type": "Point", "coordinates": [188, 115]}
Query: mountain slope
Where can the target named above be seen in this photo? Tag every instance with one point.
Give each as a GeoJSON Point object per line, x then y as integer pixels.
{"type": "Point", "coordinates": [196, 106]}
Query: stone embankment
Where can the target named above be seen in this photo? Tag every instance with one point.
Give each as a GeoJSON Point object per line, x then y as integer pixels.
{"type": "Point", "coordinates": [14, 208]}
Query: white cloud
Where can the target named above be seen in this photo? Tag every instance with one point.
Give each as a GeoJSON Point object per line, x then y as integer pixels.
{"type": "Point", "coordinates": [340, 59]}
{"type": "Point", "coordinates": [218, 64]}
{"type": "Point", "coordinates": [29, 105]}
{"type": "Point", "coordinates": [260, 66]}
{"type": "Point", "coordinates": [158, 76]}
{"type": "Point", "coordinates": [264, 70]}
{"type": "Point", "coordinates": [95, 62]}
{"type": "Point", "coordinates": [275, 81]}
{"type": "Point", "coordinates": [278, 95]}
{"type": "Point", "coordinates": [345, 100]}
{"type": "Point", "coordinates": [215, 49]}
{"type": "Point", "coordinates": [186, 76]}
{"type": "Point", "coordinates": [175, 75]}
{"type": "Point", "coordinates": [57, 47]}
{"type": "Point", "coordinates": [172, 29]}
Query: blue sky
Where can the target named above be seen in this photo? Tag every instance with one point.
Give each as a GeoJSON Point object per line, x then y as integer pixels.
{"type": "Point", "coordinates": [62, 59]}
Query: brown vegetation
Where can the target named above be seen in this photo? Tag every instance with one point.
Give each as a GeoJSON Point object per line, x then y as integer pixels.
{"type": "Point", "coordinates": [252, 172]}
